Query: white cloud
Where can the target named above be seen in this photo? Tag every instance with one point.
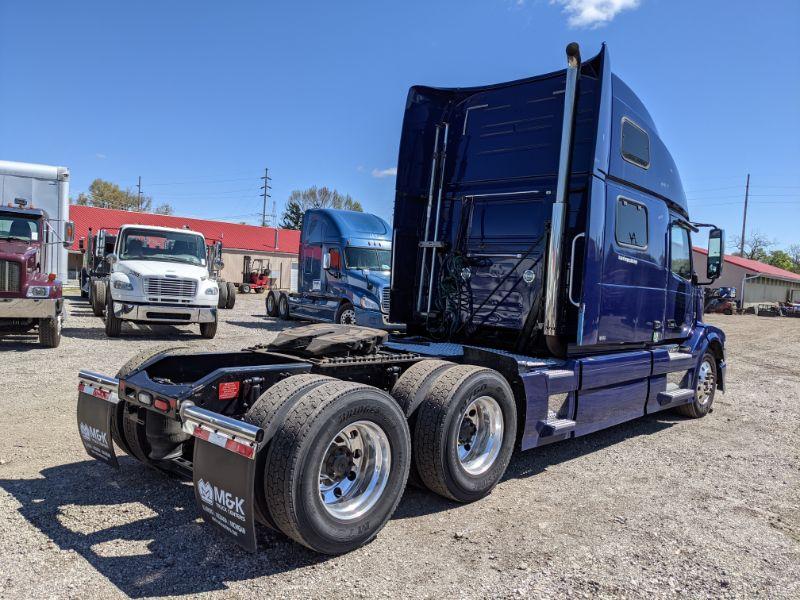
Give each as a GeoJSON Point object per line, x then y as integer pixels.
{"type": "Point", "coordinates": [100, 155]}
{"type": "Point", "coordinates": [380, 173]}
{"type": "Point", "coordinates": [594, 13]}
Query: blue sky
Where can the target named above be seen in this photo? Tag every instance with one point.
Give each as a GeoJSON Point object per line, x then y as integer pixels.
{"type": "Point", "coordinates": [198, 97]}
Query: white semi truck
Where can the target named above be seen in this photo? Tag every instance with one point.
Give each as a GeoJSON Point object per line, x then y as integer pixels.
{"type": "Point", "coordinates": [159, 275]}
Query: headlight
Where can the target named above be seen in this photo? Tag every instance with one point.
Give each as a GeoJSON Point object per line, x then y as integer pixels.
{"type": "Point", "coordinates": [38, 291]}
{"type": "Point", "coordinates": [368, 304]}
{"type": "Point", "coordinates": [212, 291]}
{"type": "Point", "coordinates": [122, 285]}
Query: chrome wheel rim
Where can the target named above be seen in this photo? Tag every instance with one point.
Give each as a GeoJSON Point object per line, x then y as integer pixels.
{"type": "Point", "coordinates": [354, 470]}
{"type": "Point", "coordinates": [270, 303]}
{"type": "Point", "coordinates": [705, 382]}
{"type": "Point", "coordinates": [283, 306]}
{"type": "Point", "coordinates": [348, 317]}
{"type": "Point", "coordinates": [480, 435]}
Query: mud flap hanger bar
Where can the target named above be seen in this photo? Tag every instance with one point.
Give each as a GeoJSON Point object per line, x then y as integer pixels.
{"type": "Point", "coordinates": [231, 434]}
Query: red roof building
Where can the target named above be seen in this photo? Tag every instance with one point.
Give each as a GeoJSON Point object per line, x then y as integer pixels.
{"type": "Point", "coordinates": [756, 282]}
{"type": "Point", "coordinates": [232, 235]}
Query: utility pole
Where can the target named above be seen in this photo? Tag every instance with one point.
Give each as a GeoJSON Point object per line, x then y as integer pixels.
{"type": "Point", "coordinates": [139, 193]}
{"type": "Point", "coordinates": [744, 218]}
{"type": "Point", "coordinates": [266, 187]}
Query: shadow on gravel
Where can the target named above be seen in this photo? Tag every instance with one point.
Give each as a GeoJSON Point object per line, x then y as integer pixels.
{"type": "Point", "coordinates": [155, 332]}
{"type": "Point", "coordinates": [141, 530]}
{"type": "Point", "coordinates": [417, 502]}
{"type": "Point", "coordinates": [266, 324]}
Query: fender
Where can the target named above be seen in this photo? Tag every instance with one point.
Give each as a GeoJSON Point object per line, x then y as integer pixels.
{"type": "Point", "coordinates": [706, 337]}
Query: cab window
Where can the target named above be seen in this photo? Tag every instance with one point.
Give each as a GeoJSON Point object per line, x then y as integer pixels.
{"type": "Point", "coordinates": [635, 144]}
{"type": "Point", "coordinates": [631, 224]}
{"type": "Point", "coordinates": [680, 252]}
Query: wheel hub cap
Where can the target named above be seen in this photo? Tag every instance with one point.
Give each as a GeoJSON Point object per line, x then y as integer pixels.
{"type": "Point", "coordinates": [354, 470]}
{"type": "Point", "coordinates": [705, 382]}
{"type": "Point", "coordinates": [480, 435]}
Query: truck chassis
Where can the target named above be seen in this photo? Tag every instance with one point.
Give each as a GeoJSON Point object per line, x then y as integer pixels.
{"type": "Point", "coordinates": [316, 434]}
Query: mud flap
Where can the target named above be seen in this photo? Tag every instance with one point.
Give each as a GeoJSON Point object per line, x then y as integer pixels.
{"type": "Point", "coordinates": [224, 490]}
{"type": "Point", "coordinates": [96, 406]}
{"type": "Point", "coordinates": [224, 468]}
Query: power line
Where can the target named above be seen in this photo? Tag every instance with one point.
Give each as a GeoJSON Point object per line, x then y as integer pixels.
{"type": "Point", "coordinates": [266, 187]}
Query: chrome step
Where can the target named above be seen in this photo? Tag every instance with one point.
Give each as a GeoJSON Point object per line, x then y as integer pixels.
{"type": "Point", "coordinates": [560, 381]}
{"type": "Point", "coordinates": [555, 427]}
{"type": "Point", "coordinates": [675, 396]}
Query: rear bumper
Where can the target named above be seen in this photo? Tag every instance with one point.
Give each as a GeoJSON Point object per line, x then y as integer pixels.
{"type": "Point", "coordinates": [164, 313]}
{"type": "Point", "coordinates": [376, 320]}
{"type": "Point", "coordinates": [29, 308]}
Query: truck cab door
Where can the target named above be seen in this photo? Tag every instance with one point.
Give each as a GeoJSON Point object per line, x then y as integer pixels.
{"type": "Point", "coordinates": [680, 289]}
{"type": "Point", "coordinates": [330, 277]}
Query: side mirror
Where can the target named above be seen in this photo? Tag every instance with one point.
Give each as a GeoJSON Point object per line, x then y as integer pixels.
{"type": "Point", "coordinates": [111, 258]}
{"type": "Point", "coordinates": [716, 254]}
{"type": "Point", "coordinates": [69, 233]}
{"type": "Point", "coordinates": [326, 261]}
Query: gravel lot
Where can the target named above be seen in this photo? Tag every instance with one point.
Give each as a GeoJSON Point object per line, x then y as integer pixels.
{"type": "Point", "coordinates": [660, 507]}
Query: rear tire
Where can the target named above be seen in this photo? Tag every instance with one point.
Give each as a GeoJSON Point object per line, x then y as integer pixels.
{"type": "Point", "coordinates": [244, 288]}
{"type": "Point", "coordinates": [259, 290]}
{"type": "Point", "coordinates": [222, 299]}
{"type": "Point", "coordinates": [464, 433]}
{"type": "Point", "coordinates": [410, 391]}
{"type": "Point", "coordinates": [231, 295]}
{"type": "Point", "coordinates": [209, 330]}
{"type": "Point", "coordinates": [113, 323]}
{"type": "Point", "coordinates": [119, 430]}
{"type": "Point", "coordinates": [50, 332]}
{"type": "Point", "coordinates": [271, 304]}
{"type": "Point", "coordinates": [269, 412]}
{"type": "Point", "coordinates": [283, 307]}
{"type": "Point", "coordinates": [339, 436]}
{"type": "Point", "coordinates": [705, 385]}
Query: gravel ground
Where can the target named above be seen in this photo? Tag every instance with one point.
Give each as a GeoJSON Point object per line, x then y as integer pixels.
{"type": "Point", "coordinates": [660, 507]}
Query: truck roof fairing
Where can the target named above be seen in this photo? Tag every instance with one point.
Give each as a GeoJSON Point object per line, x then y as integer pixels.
{"type": "Point", "coordinates": [159, 228]}
{"type": "Point", "coordinates": [353, 227]}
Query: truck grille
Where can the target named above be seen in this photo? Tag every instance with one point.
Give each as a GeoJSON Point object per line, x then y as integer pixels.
{"type": "Point", "coordinates": [385, 300]}
{"type": "Point", "coordinates": [170, 288]}
{"type": "Point", "coordinates": [9, 276]}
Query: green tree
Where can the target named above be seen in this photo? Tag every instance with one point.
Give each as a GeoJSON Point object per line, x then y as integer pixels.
{"type": "Point", "coordinates": [324, 197]}
{"type": "Point", "coordinates": [292, 216]}
{"type": "Point", "coordinates": [105, 194]}
{"type": "Point", "coordinates": [756, 246]}
{"type": "Point", "coordinates": [794, 255]}
{"type": "Point", "coordinates": [780, 259]}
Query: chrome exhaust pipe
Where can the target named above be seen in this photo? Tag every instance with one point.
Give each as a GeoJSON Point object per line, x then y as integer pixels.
{"type": "Point", "coordinates": [554, 254]}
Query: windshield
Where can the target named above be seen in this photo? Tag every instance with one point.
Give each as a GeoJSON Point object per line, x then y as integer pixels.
{"type": "Point", "coordinates": [14, 227]}
{"type": "Point", "coordinates": [149, 244]}
{"type": "Point", "coordinates": [370, 259]}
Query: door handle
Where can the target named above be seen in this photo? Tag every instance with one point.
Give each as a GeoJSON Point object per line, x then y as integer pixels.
{"type": "Point", "coordinates": [572, 268]}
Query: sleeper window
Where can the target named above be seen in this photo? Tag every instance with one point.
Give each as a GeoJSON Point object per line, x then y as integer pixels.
{"type": "Point", "coordinates": [635, 144]}
{"type": "Point", "coordinates": [680, 252]}
{"type": "Point", "coordinates": [631, 225]}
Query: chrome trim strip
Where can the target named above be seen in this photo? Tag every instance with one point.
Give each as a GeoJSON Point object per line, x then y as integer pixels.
{"type": "Point", "coordinates": [193, 415]}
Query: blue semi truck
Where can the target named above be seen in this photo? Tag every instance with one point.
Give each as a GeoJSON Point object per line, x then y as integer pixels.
{"type": "Point", "coordinates": [541, 259]}
{"type": "Point", "coordinates": [343, 273]}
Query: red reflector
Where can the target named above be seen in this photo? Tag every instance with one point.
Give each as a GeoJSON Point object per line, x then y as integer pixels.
{"type": "Point", "coordinates": [239, 448]}
{"type": "Point", "coordinates": [161, 404]}
{"type": "Point", "coordinates": [228, 390]}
